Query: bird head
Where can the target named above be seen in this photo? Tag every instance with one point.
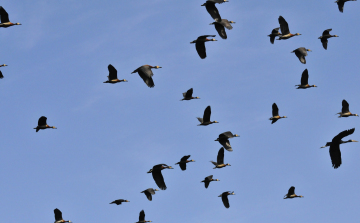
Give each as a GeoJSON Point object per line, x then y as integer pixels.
{"type": "Point", "coordinates": [192, 160]}
{"type": "Point", "coordinates": [156, 190]}
{"type": "Point", "coordinates": [216, 180]}
{"type": "Point", "coordinates": [336, 36]}
{"type": "Point", "coordinates": [232, 22]}
{"type": "Point", "coordinates": [313, 85]}
{"type": "Point", "coordinates": [284, 116]}
{"type": "Point", "coordinates": [228, 164]}
{"type": "Point", "coordinates": [216, 122]}
{"type": "Point", "coordinates": [356, 115]}
{"type": "Point", "coordinates": [127, 201]}
{"type": "Point", "coordinates": [124, 80]}
{"type": "Point", "coordinates": [308, 50]}
{"type": "Point", "coordinates": [157, 67]}
{"type": "Point", "coordinates": [170, 167]}
{"type": "Point", "coordinates": [213, 40]}
{"type": "Point", "coordinates": [150, 171]}
{"type": "Point", "coordinates": [232, 193]}
{"type": "Point", "coordinates": [236, 135]}
{"type": "Point", "coordinates": [197, 97]}
{"type": "Point", "coordinates": [53, 127]}
{"type": "Point", "coordinates": [297, 34]}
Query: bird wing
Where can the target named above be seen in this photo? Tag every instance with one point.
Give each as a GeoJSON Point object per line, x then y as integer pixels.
{"type": "Point", "coordinates": [324, 42]}
{"type": "Point", "coordinates": [274, 120]}
{"type": "Point", "coordinates": [151, 191]}
{"type": "Point", "coordinates": [112, 72]}
{"type": "Point", "coordinates": [213, 11]}
{"type": "Point", "coordinates": [335, 155]}
{"type": "Point", "coordinates": [226, 144]}
{"type": "Point", "coordinates": [301, 56]}
{"type": "Point", "coordinates": [345, 106]}
{"type": "Point", "coordinates": [159, 179]}
{"type": "Point", "coordinates": [1, 75]}
{"type": "Point", "coordinates": [275, 110]}
{"type": "Point", "coordinates": [4, 15]}
{"type": "Point", "coordinates": [227, 134]}
{"type": "Point", "coordinates": [42, 121]}
{"type": "Point", "coordinates": [201, 50]}
{"type": "Point", "coordinates": [343, 134]}
{"type": "Point", "coordinates": [188, 94]}
{"type": "Point", "coordinates": [182, 166]}
{"type": "Point", "coordinates": [226, 24]}
{"type": "Point", "coordinates": [272, 39]}
{"type": "Point", "coordinates": [326, 32]}
{"type": "Point", "coordinates": [148, 195]}
{"type": "Point", "coordinates": [221, 30]}
{"type": "Point", "coordinates": [209, 177]}
{"type": "Point", "coordinates": [283, 26]}
{"type": "Point", "coordinates": [58, 215]}
{"type": "Point", "coordinates": [142, 216]}
{"type": "Point", "coordinates": [305, 77]}
{"type": "Point", "coordinates": [341, 6]}
{"type": "Point", "coordinates": [146, 78]}
{"type": "Point", "coordinates": [220, 156]}
{"type": "Point", "coordinates": [225, 200]}
{"type": "Point", "coordinates": [291, 190]}
{"type": "Point", "coordinates": [184, 158]}
{"type": "Point", "coordinates": [206, 183]}
{"type": "Point", "coordinates": [200, 120]}
{"type": "Point", "coordinates": [207, 114]}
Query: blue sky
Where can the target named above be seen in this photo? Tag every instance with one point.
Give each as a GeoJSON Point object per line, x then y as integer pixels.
{"type": "Point", "coordinates": [109, 136]}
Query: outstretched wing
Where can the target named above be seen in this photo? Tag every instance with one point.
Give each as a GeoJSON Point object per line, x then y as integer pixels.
{"type": "Point", "coordinates": [148, 195]}
{"type": "Point", "coordinates": [188, 94]}
{"type": "Point", "coordinates": [207, 114]}
{"type": "Point", "coordinates": [1, 75]}
{"type": "Point", "coordinates": [341, 135]}
{"type": "Point", "coordinates": [213, 11]}
{"type": "Point", "coordinates": [142, 216]}
{"type": "Point", "coordinates": [291, 190]}
{"type": "Point", "coordinates": [345, 106]}
{"type": "Point", "coordinates": [275, 110]}
{"type": "Point", "coordinates": [305, 77]}
{"type": "Point", "coordinates": [283, 26]}
{"type": "Point", "coordinates": [4, 15]}
{"type": "Point", "coordinates": [147, 78]}
{"type": "Point", "coordinates": [58, 215]}
{"type": "Point", "coordinates": [225, 200]}
{"type": "Point", "coordinates": [335, 155]}
{"type": "Point", "coordinates": [341, 6]}
{"type": "Point", "coordinates": [324, 42]}
{"type": "Point", "coordinates": [326, 32]}
{"type": "Point", "coordinates": [201, 50]}
{"type": "Point", "coordinates": [112, 72]}
{"type": "Point", "coordinates": [301, 56]}
{"type": "Point", "coordinates": [221, 30]}
{"type": "Point", "coordinates": [42, 121]}
{"type": "Point", "coordinates": [159, 179]}
{"type": "Point", "coordinates": [226, 144]}
{"type": "Point", "coordinates": [220, 156]}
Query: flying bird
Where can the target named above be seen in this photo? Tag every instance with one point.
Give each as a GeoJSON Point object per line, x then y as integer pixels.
{"type": "Point", "coordinates": [200, 45]}
{"type": "Point", "coordinates": [274, 33]}
{"type": "Point", "coordinates": [119, 201]}
{"type": "Point", "coordinates": [221, 25]}
{"type": "Point", "coordinates": [183, 161]}
{"type": "Point", "coordinates": [325, 36]}
{"type": "Point", "coordinates": [301, 52]}
{"type": "Point", "coordinates": [224, 140]}
{"type": "Point", "coordinates": [224, 198]}
{"type": "Point", "coordinates": [212, 10]}
{"type": "Point", "coordinates": [345, 112]}
{"type": "Point", "coordinates": [291, 193]}
{"type": "Point", "coordinates": [58, 216]}
{"type": "Point", "coordinates": [148, 192]}
{"type": "Point", "coordinates": [113, 75]}
{"type": "Point", "coordinates": [304, 81]}
{"type": "Point", "coordinates": [188, 95]}
{"type": "Point", "coordinates": [5, 22]}
{"type": "Point", "coordinates": [142, 217]}
{"type": "Point", "coordinates": [206, 118]}
{"type": "Point", "coordinates": [157, 175]}
{"type": "Point", "coordinates": [208, 179]}
{"type": "Point", "coordinates": [220, 160]}
{"type": "Point", "coordinates": [341, 3]}
{"type": "Point", "coordinates": [146, 74]}
{"type": "Point", "coordinates": [285, 32]}
{"type": "Point", "coordinates": [334, 150]}
{"type": "Point", "coordinates": [275, 113]}
{"type": "Point", "coordinates": [42, 124]}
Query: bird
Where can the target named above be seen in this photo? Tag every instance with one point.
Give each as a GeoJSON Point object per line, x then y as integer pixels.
{"type": "Point", "coordinates": [334, 150]}
{"type": "Point", "coordinates": [304, 81]}
{"type": "Point", "coordinates": [206, 118]}
{"type": "Point", "coordinates": [275, 113]}
{"type": "Point", "coordinates": [3, 65]}
{"type": "Point", "coordinates": [291, 193]}
{"type": "Point", "coordinates": [345, 112]}
{"type": "Point", "coordinates": [220, 160]}
{"type": "Point", "coordinates": [200, 45]}
{"type": "Point", "coordinates": [113, 75]}
{"type": "Point", "coordinates": [148, 192]}
{"type": "Point", "coordinates": [224, 198]}
{"type": "Point", "coordinates": [42, 124]}
{"type": "Point", "coordinates": [183, 161]}
{"type": "Point", "coordinates": [212, 10]}
{"type": "Point", "coordinates": [58, 216]}
{"type": "Point", "coordinates": [224, 140]}
{"type": "Point", "coordinates": [188, 95]}
{"type": "Point", "coordinates": [142, 217]}
{"type": "Point", "coordinates": [5, 22]}
{"type": "Point", "coordinates": [219, 26]}
{"type": "Point", "coordinates": [274, 33]}
{"type": "Point", "coordinates": [146, 74]}
{"type": "Point", "coordinates": [285, 32]}
{"type": "Point", "coordinates": [208, 179]}
{"type": "Point", "coordinates": [341, 3]}
{"type": "Point", "coordinates": [301, 52]}
{"type": "Point", "coordinates": [158, 177]}
{"type": "Point", "coordinates": [119, 201]}
{"type": "Point", "coordinates": [1, 75]}
{"type": "Point", "coordinates": [325, 36]}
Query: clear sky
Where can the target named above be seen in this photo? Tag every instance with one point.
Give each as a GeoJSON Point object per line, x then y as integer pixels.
{"type": "Point", "coordinates": [109, 136]}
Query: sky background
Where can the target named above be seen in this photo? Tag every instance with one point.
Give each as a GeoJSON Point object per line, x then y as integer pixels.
{"type": "Point", "coordinates": [109, 136]}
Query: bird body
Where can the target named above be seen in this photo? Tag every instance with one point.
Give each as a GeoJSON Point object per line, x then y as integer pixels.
{"type": "Point", "coordinates": [188, 95]}
{"type": "Point", "coordinates": [274, 33]}
{"type": "Point", "coordinates": [220, 160]}
{"type": "Point", "coordinates": [58, 216]}
{"type": "Point", "coordinates": [200, 44]}
{"type": "Point", "coordinates": [183, 161]}
{"type": "Point", "coordinates": [221, 25]}
{"type": "Point", "coordinates": [119, 201]}
{"type": "Point", "coordinates": [113, 75]}
{"type": "Point", "coordinates": [146, 74]}
{"type": "Point", "coordinates": [301, 52]}
{"type": "Point", "coordinates": [208, 179]}
{"type": "Point", "coordinates": [275, 113]}
{"type": "Point", "coordinates": [325, 36]}
{"type": "Point", "coordinates": [206, 117]}
{"type": "Point", "coordinates": [291, 193]}
{"type": "Point", "coordinates": [304, 81]}
{"type": "Point", "coordinates": [224, 140]}
{"type": "Point", "coordinates": [157, 175]}
{"type": "Point", "coordinates": [142, 217]}
{"type": "Point", "coordinates": [285, 32]}
{"type": "Point", "coordinates": [345, 112]}
{"type": "Point", "coordinates": [5, 22]}
{"type": "Point", "coordinates": [42, 124]}
{"type": "Point", "coordinates": [149, 192]}
{"type": "Point", "coordinates": [224, 198]}
{"type": "Point", "coordinates": [341, 3]}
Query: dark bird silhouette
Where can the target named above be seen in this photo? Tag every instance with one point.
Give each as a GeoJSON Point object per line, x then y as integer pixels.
{"type": "Point", "coordinates": [291, 193]}
{"type": "Point", "coordinates": [325, 36]}
{"type": "Point", "coordinates": [5, 22]}
{"type": "Point", "coordinates": [200, 45]}
{"type": "Point", "coordinates": [301, 52]}
{"type": "Point", "coordinates": [146, 74]}
{"type": "Point", "coordinates": [148, 192]}
{"type": "Point", "coordinates": [119, 201]}
{"type": "Point", "coordinates": [58, 216]}
{"type": "Point", "coordinates": [113, 75]}
{"type": "Point", "coordinates": [221, 25]}
{"type": "Point", "coordinates": [341, 3]}
{"type": "Point", "coordinates": [224, 198]}
{"type": "Point", "coordinates": [345, 112]}
{"type": "Point", "coordinates": [220, 160]}
{"type": "Point", "coordinates": [42, 124]}
{"type": "Point", "coordinates": [157, 175]}
{"type": "Point", "coordinates": [304, 81]}
{"type": "Point", "coordinates": [285, 32]}
{"type": "Point", "coordinates": [188, 95]}
{"type": "Point", "coordinates": [275, 113]}
{"type": "Point", "coordinates": [142, 217]}
{"type": "Point", "coordinates": [224, 140]}
{"type": "Point", "coordinates": [274, 33]}
{"type": "Point", "coordinates": [208, 179]}
{"type": "Point", "coordinates": [1, 75]}
{"type": "Point", "coordinates": [212, 10]}
{"type": "Point", "coordinates": [183, 161]}
{"type": "Point", "coordinates": [334, 150]}
{"type": "Point", "coordinates": [206, 118]}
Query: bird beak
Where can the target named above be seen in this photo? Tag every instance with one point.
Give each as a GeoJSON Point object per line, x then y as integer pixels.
{"type": "Point", "coordinates": [149, 171]}
{"type": "Point", "coordinates": [214, 40]}
{"type": "Point", "coordinates": [308, 50]}
{"type": "Point", "coordinates": [170, 167]}
{"type": "Point", "coordinates": [355, 141]}
{"type": "Point", "coordinates": [54, 127]}
{"type": "Point", "coordinates": [157, 67]}
{"type": "Point", "coordinates": [125, 80]}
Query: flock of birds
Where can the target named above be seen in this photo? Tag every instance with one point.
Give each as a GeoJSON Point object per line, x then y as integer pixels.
{"type": "Point", "coordinates": [145, 72]}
